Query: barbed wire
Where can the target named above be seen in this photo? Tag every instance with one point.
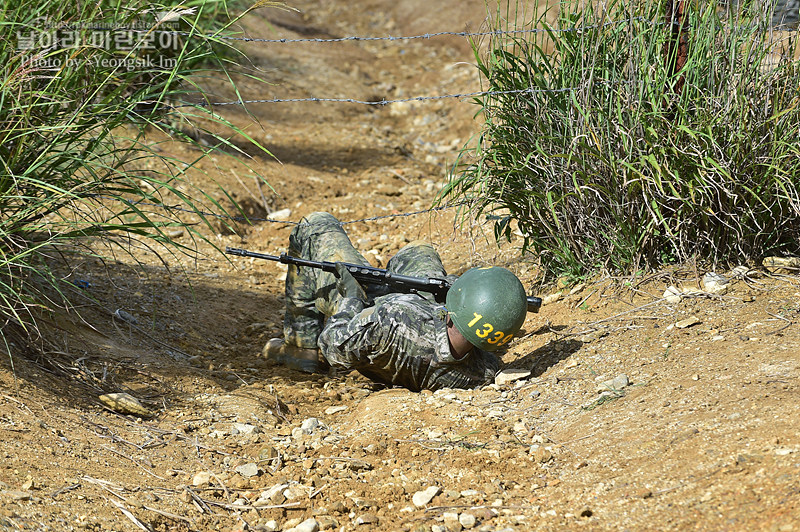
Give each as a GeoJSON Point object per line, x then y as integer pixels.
{"type": "Point", "coordinates": [356, 38]}
{"type": "Point", "coordinates": [249, 219]}
{"type": "Point", "coordinates": [246, 219]}
{"type": "Point", "coordinates": [372, 102]}
{"type": "Point", "coordinates": [428, 35]}
{"type": "Point", "coordinates": [402, 100]}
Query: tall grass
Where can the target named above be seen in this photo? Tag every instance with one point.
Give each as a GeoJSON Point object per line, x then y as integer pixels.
{"type": "Point", "coordinates": [611, 161]}
{"type": "Point", "coordinates": [75, 164]}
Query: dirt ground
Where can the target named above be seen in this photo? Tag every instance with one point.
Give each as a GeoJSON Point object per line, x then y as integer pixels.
{"type": "Point", "coordinates": [700, 429]}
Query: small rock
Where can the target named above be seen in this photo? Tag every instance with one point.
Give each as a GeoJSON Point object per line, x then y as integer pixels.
{"type": "Point", "coordinates": [335, 409]}
{"type": "Point", "coordinates": [309, 525]}
{"type": "Point", "coordinates": [270, 494]}
{"type": "Point", "coordinates": [552, 298]}
{"type": "Point", "coordinates": [467, 520]}
{"type": "Point", "coordinates": [367, 519]}
{"type": "Point", "coordinates": [326, 522]}
{"type": "Point", "coordinates": [125, 316]}
{"type": "Point", "coordinates": [577, 288]}
{"type": "Point", "coordinates": [202, 478]}
{"type": "Point", "coordinates": [361, 502]}
{"type": "Point", "coordinates": [267, 453]}
{"type": "Point", "coordinates": [616, 384]}
{"type": "Point", "coordinates": [124, 403]}
{"type": "Point", "coordinates": [451, 521]}
{"type": "Point", "coordinates": [310, 425]}
{"type": "Point", "coordinates": [688, 322]}
{"type": "Point", "coordinates": [358, 465]}
{"type": "Point", "coordinates": [542, 455]}
{"type": "Point", "coordinates": [715, 283]}
{"type": "Point", "coordinates": [291, 523]}
{"type": "Point", "coordinates": [434, 434]}
{"type": "Point", "coordinates": [510, 375]}
{"type": "Point", "coordinates": [246, 428]}
{"type": "Point", "coordinates": [295, 492]}
{"type": "Point", "coordinates": [438, 528]}
{"type": "Point", "coordinates": [338, 507]}
{"type": "Point", "coordinates": [421, 498]}
{"type": "Point", "coordinates": [672, 295]}
{"type": "Point", "coordinates": [247, 470]}
{"type": "Point", "coordinates": [16, 495]}
{"type": "Point", "coordinates": [283, 214]}
{"type": "Point", "coordinates": [270, 526]}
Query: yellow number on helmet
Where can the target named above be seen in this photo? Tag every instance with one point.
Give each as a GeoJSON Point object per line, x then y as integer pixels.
{"type": "Point", "coordinates": [497, 337]}
{"type": "Point", "coordinates": [487, 328]}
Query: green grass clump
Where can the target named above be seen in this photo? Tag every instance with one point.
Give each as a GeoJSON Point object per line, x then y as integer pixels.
{"type": "Point", "coordinates": [608, 163]}
{"type": "Point", "coordinates": [75, 165]}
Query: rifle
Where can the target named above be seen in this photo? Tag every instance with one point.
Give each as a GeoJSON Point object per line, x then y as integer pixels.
{"type": "Point", "coordinates": [371, 275]}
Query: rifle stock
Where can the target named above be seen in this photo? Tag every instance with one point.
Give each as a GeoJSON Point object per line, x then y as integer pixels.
{"type": "Point", "coordinates": [370, 274]}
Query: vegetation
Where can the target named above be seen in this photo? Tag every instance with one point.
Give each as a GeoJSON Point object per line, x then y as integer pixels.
{"type": "Point", "coordinates": [80, 83]}
{"type": "Point", "coordinates": [608, 159]}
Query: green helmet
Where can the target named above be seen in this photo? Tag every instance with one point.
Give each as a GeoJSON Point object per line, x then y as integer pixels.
{"type": "Point", "coordinates": [487, 306]}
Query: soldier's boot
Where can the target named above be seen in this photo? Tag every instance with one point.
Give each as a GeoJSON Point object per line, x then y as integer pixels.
{"type": "Point", "coordinates": [296, 358]}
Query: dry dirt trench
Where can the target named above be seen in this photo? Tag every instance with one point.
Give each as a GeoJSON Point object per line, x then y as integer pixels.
{"type": "Point", "coordinates": [704, 434]}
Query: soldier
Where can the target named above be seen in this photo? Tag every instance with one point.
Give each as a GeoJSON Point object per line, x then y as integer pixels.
{"type": "Point", "coordinates": [398, 339]}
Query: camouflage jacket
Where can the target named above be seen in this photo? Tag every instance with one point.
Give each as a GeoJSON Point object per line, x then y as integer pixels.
{"type": "Point", "coordinates": [401, 340]}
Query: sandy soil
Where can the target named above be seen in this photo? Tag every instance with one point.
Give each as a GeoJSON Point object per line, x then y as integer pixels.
{"type": "Point", "coordinates": [703, 433]}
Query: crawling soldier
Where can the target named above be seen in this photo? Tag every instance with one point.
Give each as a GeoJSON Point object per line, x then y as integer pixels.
{"type": "Point", "coordinates": [398, 339]}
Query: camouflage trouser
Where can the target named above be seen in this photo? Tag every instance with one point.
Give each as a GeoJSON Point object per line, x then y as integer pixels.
{"type": "Point", "coordinates": [311, 293]}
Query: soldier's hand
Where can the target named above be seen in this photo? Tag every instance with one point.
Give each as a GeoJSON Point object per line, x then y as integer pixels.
{"type": "Point", "coordinates": [347, 285]}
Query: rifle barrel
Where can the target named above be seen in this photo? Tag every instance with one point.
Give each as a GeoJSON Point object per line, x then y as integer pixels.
{"type": "Point", "coordinates": [245, 253]}
{"type": "Point", "coordinates": [370, 274]}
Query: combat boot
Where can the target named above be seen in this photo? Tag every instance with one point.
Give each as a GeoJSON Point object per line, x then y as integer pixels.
{"type": "Point", "coordinates": [296, 358]}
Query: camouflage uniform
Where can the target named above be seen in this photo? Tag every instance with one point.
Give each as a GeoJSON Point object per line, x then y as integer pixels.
{"type": "Point", "coordinates": [398, 339]}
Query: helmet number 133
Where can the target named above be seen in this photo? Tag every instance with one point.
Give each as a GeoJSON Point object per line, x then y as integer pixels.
{"type": "Point", "coordinates": [485, 329]}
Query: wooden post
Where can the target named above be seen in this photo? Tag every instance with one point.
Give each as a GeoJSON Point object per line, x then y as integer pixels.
{"type": "Point", "coordinates": [676, 49]}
